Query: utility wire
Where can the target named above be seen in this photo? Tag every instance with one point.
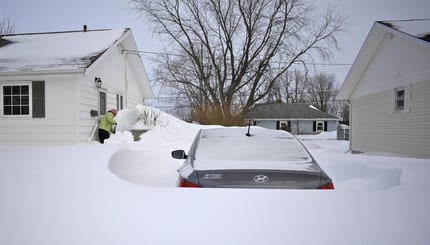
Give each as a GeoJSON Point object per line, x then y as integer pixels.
{"type": "Point", "coordinates": [160, 53]}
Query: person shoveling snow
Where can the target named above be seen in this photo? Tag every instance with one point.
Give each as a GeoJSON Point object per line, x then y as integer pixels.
{"type": "Point", "coordinates": [106, 125]}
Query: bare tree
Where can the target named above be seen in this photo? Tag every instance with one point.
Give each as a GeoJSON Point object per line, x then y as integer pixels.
{"type": "Point", "coordinates": [224, 56]}
{"type": "Point", "coordinates": [322, 91]}
{"type": "Point", "coordinates": [7, 26]}
{"type": "Point", "coordinates": [340, 109]}
{"type": "Point", "coordinates": [290, 88]}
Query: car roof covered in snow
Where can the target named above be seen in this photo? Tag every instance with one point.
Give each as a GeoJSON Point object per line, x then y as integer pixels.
{"type": "Point", "coordinates": [230, 148]}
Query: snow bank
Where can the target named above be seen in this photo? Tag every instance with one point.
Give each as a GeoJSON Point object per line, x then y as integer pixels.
{"type": "Point", "coordinates": [156, 167]}
{"type": "Point", "coordinates": [160, 126]}
{"type": "Point", "coordinates": [112, 194]}
{"type": "Point", "coordinates": [321, 136]}
{"type": "Point", "coordinates": [120, 137]}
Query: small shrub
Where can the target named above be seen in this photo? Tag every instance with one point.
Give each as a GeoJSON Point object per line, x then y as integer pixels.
{"type": "Point", "coordinates": [150, 117]}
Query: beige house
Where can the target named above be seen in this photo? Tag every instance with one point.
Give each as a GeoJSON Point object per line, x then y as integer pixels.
{"type": "Point", "coordinates": [55, 86]}
{"type": "Point", "coordinates": [388, 89]}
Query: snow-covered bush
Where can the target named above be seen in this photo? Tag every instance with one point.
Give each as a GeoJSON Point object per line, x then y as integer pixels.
{"type": "Point", "coordinates": [148, 116]}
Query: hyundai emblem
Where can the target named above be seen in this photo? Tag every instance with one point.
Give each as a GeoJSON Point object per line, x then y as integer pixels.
{"type": "Point", "coordinates": [261, 178]}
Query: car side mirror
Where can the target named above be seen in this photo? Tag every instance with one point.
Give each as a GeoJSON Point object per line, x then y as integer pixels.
{"type": "Point", "coordinates": [179, 154]}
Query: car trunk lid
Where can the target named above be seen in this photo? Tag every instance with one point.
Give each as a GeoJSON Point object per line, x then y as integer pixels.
{"type": "Point", "coordinates": [257, 178]}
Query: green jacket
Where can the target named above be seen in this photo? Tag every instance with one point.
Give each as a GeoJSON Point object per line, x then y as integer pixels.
{"type": "Point", "coordinates": [107, 122]}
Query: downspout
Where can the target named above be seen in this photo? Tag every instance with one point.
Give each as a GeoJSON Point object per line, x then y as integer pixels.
{"type": "Point", "coordinates": [127, 52]}
{"type": "Point", "coordinates": [125, 80]}
{"type": "Point", "coordinates": [125, 73]}
{"type": "Point", "coordinates": [350, 124]}
{"type": "Point", "coordinates": [77, 105]}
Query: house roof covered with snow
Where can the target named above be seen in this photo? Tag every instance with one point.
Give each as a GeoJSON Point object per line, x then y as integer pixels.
{"type": "Point", "coordinates": [416, 28]}
{"type": "Point", "coordinates": [416, 31]}
{"type": "Point", "coordinates": [287, 111]}
{"type": "Point", "coordinates": [55, 50]}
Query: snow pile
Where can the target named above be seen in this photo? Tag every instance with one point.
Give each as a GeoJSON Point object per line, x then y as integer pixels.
{"type": "Point", "coordinates": [158, 124]}
{"type": "Point", "coordinates": [120, 137]}
{"type": "Point", "coordinates": [321, 136]}
{"type": "Point", "coordinates": [125, 119]}
{"type": "Point", "coordinates": [124, 194]}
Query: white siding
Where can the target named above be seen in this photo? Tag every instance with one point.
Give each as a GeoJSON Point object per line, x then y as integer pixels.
{"type": "Point", "coordinates": [119, 78]}
{"type": "Point", "coordinates": [405, 133]}
{"type": "Point", "coordinates": [116, 79]}
{"type": "Point", "coordinates": [87, 100]}
{"type": "Point", "coordinates": [58, 126]}
{"type": "Point", "coordinates": [69, 99]}
{"type": "Point", "coordinates": [397, 62]}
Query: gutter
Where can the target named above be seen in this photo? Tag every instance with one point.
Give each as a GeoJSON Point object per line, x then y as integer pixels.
{"type": "Point", "coordinates": [42, 72]}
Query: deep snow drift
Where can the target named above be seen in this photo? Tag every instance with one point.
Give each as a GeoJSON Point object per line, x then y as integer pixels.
{"type": "Point", "coordinates": [123, 193]}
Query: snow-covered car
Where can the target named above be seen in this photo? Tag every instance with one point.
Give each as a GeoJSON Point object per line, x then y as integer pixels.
{"type": "Point", "coordinates": [241, 157]}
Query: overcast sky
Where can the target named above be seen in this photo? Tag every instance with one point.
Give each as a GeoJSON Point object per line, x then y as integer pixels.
{"type": "Point", "coordinates": [55, 15]}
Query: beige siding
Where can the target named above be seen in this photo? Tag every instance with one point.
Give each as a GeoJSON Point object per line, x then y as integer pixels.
{"type": "Point", "coordinates": [405, 133]}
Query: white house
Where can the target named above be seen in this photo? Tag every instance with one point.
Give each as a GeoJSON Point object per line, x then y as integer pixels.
{"type": "Point", "coordinates": [297, 118]}
{"type": "Point", "coordinates": [54, 86]}
{"type": "Point", "coordinates": [388, 89]}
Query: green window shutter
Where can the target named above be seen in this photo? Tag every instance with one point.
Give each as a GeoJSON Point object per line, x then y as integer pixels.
{"type": "Point", "coordinates": [38, 99]}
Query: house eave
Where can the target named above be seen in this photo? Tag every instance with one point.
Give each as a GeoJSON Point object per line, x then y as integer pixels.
{"type": "Point", "coordinates": [147, 91]}
{"type": "Point", "coordinates": [106, 52]}
{"type": "Point", "coordinates": [362, 60]}
{"type": "Point", "coordinates": [370, 46]}
{"type": "Point", "coordinates": [42, 72]}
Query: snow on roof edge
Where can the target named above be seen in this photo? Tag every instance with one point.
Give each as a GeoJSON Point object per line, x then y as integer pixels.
{"type": "Point", "coordinates": [39, 51]}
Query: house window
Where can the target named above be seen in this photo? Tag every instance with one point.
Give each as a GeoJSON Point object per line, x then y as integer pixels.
{"type": "Point", "coordinates": [285, 125]}
{"type": "Point", "coordinates": [16, 100]}
{"type": "Point", "coordinates": [400, 99]}
{"type": "Point", "coordinates": [320, 126]}
{"type": "Point", "coordinates": [119, 102]}
{"type": "Point", "coordinates": [23, 99]}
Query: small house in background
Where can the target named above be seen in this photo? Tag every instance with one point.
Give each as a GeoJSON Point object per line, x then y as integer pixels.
{"type": "Point", "coordinates": [55, 86]}
{"type": "Point", "coordinates": [388, 89]}
{"type": "Point", "coordinates": [297, 118]}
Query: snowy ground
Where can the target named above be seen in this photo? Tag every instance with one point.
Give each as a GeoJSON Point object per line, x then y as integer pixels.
{"type": "Point", "coordinates": [123, 193]}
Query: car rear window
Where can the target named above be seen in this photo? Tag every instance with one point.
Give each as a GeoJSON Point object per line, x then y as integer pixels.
{"type": "Point", "coordinates": [251, 149]}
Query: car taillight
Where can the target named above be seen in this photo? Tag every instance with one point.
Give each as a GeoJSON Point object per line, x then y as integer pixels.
{"type": "Point", "coordinates": [328, 186]}
{"type": "Point", "coordinates": [183, 183]}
